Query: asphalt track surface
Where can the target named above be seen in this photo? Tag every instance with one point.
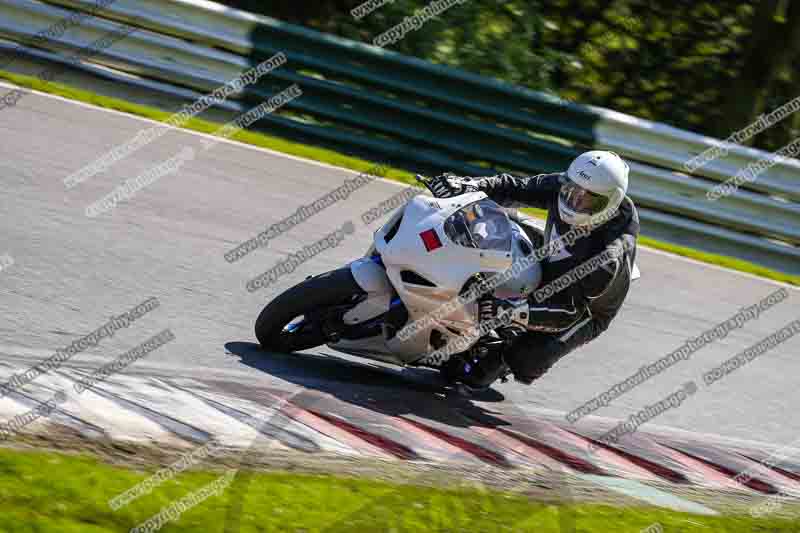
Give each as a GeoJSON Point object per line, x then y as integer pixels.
{"type": "Point", "coordinates": [72, 272]}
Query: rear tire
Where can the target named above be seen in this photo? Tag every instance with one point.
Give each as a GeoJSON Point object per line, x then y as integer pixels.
{"type": "Point", "coordinates": [313, 295]}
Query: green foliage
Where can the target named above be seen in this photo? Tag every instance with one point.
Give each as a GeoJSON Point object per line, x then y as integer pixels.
{"type": "Point", "coordinates": [681, 62]}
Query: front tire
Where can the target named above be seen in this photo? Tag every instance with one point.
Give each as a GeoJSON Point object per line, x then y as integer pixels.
{"type": "Point", "coordinates": [312, 296]}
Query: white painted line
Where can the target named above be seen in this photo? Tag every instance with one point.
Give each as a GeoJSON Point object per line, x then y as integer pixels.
{"type": "Point", "coordinates": [352, 172]}
{"type": "Point", "coordinates": [5, 83]}
{"type": "Point", "coordinates": [720, 268]}
{"type": "Point", "coordinates": [640, 491]}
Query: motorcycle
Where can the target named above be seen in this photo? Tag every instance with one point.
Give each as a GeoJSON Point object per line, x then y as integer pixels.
{"type": "Point", "coordinates": [400, 302]}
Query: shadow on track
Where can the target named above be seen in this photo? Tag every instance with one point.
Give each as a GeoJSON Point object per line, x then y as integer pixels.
{"type": "Point", "coordinates": [384, 390]}
{"type": "Point", "coordinates": [408, 393]}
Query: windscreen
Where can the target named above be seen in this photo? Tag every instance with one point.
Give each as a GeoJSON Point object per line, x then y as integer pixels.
{"type": "Point", "coordinates": [483, 225]}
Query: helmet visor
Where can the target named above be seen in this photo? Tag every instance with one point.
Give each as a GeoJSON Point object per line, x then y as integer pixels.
{"type": "Point", "coordinates": [582, 201]}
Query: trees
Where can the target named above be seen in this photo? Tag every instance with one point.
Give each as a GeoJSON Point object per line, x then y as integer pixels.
{"type": "Point", "coordinates": [710, 66]}
{"type": "Point", "coordinates": [773, 46]}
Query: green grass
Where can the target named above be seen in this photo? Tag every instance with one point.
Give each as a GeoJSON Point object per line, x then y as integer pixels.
{"type": "Point", "coordinates": [58, 493]}
{"type": "Point", "coordinates": [721, 260]}
{"type": "Point", "coordinates": [353, 163]}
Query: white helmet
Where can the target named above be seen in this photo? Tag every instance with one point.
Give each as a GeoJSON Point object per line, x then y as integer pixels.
{"type": "Point", "coordinates": [597, 183]}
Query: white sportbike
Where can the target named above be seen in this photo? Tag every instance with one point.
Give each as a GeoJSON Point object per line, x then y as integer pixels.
{"type": "Point", "coordinates": [399, 303]}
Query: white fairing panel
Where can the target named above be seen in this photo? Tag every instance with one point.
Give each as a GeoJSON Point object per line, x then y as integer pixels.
{"type": "Point", "coordinates": [435, 273]}
{"type": "Point", "coordinates": [372, 278]}
{"type": "Point", "coordinates": [448, 268]}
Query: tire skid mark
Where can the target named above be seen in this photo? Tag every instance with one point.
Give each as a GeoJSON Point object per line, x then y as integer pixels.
{"type": "Point", "coordinates": [482, 453]}
{"type": "Point", "coordinates": [340, 430]}
{"type": "Point", "coordinates": [747, 471]}
{"type": "Point", "coordinates": [26, 399]}
{"type": "Point", "coordinates": [788, 473]}
{"type": "Point", "coordinates": [644, 447]}
{"type": "Point", "coordinates": [571, 461]}
{"type": "Point", "coordinates": [173, 425]}
{"type": "Point", "coordinates": [570, 449]}
{"type": "Point", "coordinates": [400, 451]}
{"type": "Point", "coordinates": [750, 482]}
{"type": "Point", "coordinates": [280, 434]}
{"type": "Point", "coordinates": [661, 471]}
{"type": "Point", "coordinates": [451, 451]}
{"type": "Point", "coordinates": [423, 442]}
{"type": "Point", "coordinates": [699, 471]}
{"type": "Point", "coordinates": [273, 399]}
{"type": "Point", "coordinates": [505, 440]}
{"type": "Point", "coordinates": [793, 474]}
{"type": "Point", "coordinates": [529, 454]}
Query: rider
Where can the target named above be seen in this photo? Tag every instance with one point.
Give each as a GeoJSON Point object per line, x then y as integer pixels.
{"type": "Point", "coordinates": [591, 193]}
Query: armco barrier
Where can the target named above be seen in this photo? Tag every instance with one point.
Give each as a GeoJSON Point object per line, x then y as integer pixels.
{"type": "Point", "coordinates": [375, 102]}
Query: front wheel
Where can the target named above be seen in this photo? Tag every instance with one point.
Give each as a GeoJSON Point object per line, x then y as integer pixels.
{"type": "Point", "coordinates": [290, 322]}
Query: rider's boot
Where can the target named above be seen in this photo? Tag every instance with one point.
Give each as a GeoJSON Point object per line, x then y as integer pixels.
{"type": "Point", "coordinates": [476, 373]}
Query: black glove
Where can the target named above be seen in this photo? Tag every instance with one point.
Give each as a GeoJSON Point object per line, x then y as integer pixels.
{"type": "Point", "coordinates": [448, 185]}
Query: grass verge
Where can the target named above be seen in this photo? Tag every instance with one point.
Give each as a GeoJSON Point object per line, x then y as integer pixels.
{"type": "Point", "coordinates": [52, 492]}
{"type": "Point", "coordinates": [353, 163]}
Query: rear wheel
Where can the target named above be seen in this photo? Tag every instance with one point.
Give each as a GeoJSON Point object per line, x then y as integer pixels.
{"type": "Point", "coordinates": [292, 321]}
